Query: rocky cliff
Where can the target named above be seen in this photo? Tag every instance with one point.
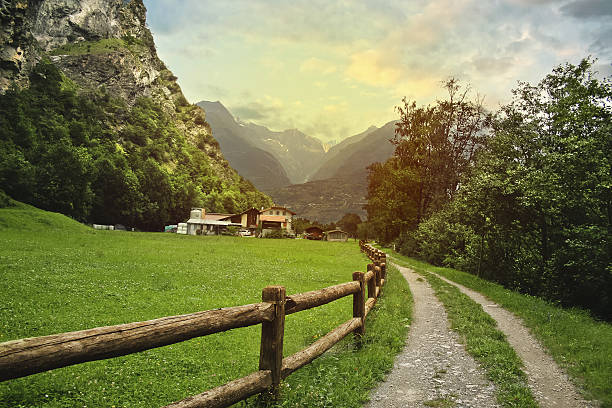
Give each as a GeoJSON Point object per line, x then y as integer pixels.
{"type": "Point", "coordinates": [99, 43]}
{"type": "Point", "coordinates": [104, 48]}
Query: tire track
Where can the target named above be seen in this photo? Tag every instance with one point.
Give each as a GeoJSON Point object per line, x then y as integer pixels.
{"type": "Point", "coordinates": [434, 366]}
{"type": "Point", "coordinates": [551, 387]}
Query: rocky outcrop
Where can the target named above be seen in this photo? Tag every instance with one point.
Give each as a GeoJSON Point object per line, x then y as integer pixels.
{"type": "Point", "coordinates": [99, 43]}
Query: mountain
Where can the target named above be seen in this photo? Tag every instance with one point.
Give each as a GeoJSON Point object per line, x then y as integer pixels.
{"type": "Point", "coordinates": [95, 126]}
{"type": "Point", "coordinates": [340, 184]}
{"type": "Point", "coordinates": [298, 154]}
{"type": "Point", "coordinates": [324, 200]}
{"type": "Point", "coordinates": [259, 166]}
{"type": "Point", "coordinates": [355, 153]}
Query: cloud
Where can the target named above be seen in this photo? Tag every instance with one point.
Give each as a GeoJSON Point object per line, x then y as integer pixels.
{"type": "Point", "coordinates": [261, 109]}
{"type": "Point", "coordinates": [492, 65]}
{"type": "Point", "coordinates": [603, 43]}
{"type": "Point", "coordinates": [375, 68]}
{"type": "Point", "coordinates": [318, 65]}
{"type": "Point", "coordinates": [588, 9]}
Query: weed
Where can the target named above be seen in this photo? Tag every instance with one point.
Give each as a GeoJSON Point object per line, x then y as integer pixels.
{"type": "Point", "coordinates": [440, 403]}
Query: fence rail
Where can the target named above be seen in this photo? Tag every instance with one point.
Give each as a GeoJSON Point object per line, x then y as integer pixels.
{"type": "Point", "coordinates": [24, 357]}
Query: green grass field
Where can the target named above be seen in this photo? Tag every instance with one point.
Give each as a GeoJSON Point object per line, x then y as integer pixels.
{"type": "Point", "coordinates": [57, 275]}
{"type": "Point", "coordinates": [577, 342]}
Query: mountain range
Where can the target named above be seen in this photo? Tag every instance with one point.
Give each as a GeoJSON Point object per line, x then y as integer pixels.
{"type": "Point", "coordinates": [295, 170]}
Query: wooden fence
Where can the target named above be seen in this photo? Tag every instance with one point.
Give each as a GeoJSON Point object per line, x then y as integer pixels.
{"type": "Point", "coordinates": [20, 358]}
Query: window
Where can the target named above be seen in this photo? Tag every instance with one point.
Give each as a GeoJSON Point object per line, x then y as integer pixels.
{"type": "Point", "coordinates": [277, 212]}
{"type": "Point", "coordinates": [284, 213]}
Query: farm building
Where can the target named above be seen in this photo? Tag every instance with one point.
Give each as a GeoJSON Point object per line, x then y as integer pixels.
{"type": "Point", "coordinates": [337, 235]}
{"type": "Point", "coordinates": [248, 219]}
{"type": "Point", "coordinates": [314, 233]}
{"type": "Point", "coordinates": [201, 223]}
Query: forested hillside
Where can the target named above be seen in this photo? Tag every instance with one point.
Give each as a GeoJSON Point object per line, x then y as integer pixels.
{"type": "Point", "coordinates": [93, 124]}
{"type": "Point", "coordinates": [522, 197]}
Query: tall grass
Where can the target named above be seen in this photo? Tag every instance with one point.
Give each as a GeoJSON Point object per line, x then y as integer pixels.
{"type": "Point", "coordinates": [57, 276]}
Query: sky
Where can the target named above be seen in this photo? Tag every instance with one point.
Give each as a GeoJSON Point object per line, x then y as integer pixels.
{"type": "Point", "coordinates": [334, 68]}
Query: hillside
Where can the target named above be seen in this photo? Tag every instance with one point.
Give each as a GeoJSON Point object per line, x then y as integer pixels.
{"type": "Point", "coordinates": [94, 125]}
{"type": "Point", "coordinates": [297, 153]}
{"type": "Point", "coordinates": [357, 152]}
{"type": "Point", "coordinates": [324, 200]}
{"type": "Point", "coordinates": [259, 166]}
{"type": "Point", "coordinates": [340, 184]}
{"type": "Point", "coordinates": [18, 216]}
{"type": "Point", "coordinates": [333, 157]}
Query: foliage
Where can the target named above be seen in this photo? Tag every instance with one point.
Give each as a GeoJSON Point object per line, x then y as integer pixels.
{"type": "Point", "coordinates": [434, 146]}
{"type": "Point", "coordinates": [87, 155]}
{"type": "Point", "coordinates": [59, 276]}
{"type": "Point", "coordinates": [349, 223]}
{"type": "Point", "coordinates": [275, 234]}
{"type": "Point", "coordinates": [535, 213]}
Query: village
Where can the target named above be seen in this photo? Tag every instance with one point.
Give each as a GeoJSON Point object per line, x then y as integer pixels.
{"type": "Point", "coordinates": [272, 222]}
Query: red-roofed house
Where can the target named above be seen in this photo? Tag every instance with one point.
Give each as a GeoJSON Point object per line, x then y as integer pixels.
{"type": "Point", "coordinates": [275, 218]}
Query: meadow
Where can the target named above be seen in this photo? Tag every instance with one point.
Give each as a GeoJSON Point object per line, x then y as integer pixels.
{"type": "Point", "coordinates": [57, 275]}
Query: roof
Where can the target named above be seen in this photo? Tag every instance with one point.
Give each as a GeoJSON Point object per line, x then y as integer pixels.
{"type": "Point", "coordinates": [216, 216]}
{"type": "Point", "coordinates": [273, 218]}
{"type": "Point", "coordinates": [336, 230]}
{"type": "Point", "coordinates": [313, 228]}
{"type": "Point", "coordinates": [277, 208]}
{"type": "Point", "coordinates": [211, 222]}
{"type": "Point", "coordinates": [249, 210]}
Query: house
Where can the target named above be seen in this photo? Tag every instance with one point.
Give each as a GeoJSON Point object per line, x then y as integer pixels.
{"type": "Point", "coordinates": [276, 218]}
{"type": "Point", "coordinates": [248, 219]}
{"type": "Point", "coordinates": [314, 233]}
{"type": "Point", "coordinates": [337, 235]}
{"type": "Point", "coordinates": [201, 223]}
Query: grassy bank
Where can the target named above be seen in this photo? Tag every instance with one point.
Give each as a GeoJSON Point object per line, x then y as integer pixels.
{"type": "Point", "coordinates": [57, 276]}
{"type": "Point", "coordinates": [577, 342]}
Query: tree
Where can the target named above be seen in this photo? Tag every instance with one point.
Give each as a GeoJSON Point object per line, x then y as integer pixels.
{"type": "Point", "coordinates": [434, 146]}
{"type": "Point", "coordinates": [535, 212]}
{"type": "Point", "coordinates": [349, 223]}
{"type": "Point", "coordinates": [438, 143]}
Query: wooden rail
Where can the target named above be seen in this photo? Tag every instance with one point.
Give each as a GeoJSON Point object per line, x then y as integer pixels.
{"type": "Point", "coordinates": [24, 357]}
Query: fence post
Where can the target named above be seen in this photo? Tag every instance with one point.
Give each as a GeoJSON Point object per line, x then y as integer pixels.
{"type": "Point", "coordinates": [359, 303]}
{"type": "Point", "coordinates": [272, 333]}
{"type": "Point", "coordinates": [372, 282]}
{"type": "Point", "coordinates": [378, 274]}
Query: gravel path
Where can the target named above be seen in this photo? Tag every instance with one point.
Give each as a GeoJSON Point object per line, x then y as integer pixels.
{"type": "Point", "coordinates": [433, 365]}
{"type": "Point", "coordinates": [550, 385]}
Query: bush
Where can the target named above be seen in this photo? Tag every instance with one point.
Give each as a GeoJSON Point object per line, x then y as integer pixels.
{"type": "Point", "coordinates": [5, 200]}
{"type": "Point", "coordinates": [276, 234]}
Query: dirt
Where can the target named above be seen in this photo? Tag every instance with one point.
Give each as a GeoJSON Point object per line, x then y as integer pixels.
{"type": "Point", "coordinates": [550, 386]}
{"type": "Point", "coordinates": [435, 370]}
{"type": "Point", "coordinates": [434, 367]}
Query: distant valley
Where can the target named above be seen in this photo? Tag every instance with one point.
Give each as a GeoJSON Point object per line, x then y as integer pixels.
{"type": "Point", "coordinates": [295, 170]}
